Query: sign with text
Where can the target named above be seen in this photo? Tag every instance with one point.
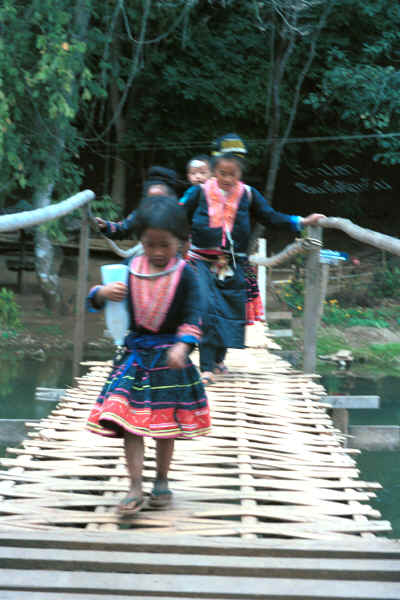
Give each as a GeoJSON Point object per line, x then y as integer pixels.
{"type": "Point", "coordinates": [339, 179]}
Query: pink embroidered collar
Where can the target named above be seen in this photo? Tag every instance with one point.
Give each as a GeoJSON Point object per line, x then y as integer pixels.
{"type": "Point", "coordinates": [152, 296]}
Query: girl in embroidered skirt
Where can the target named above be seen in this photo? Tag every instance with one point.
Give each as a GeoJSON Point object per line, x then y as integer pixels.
{"type": "Point", "coordinates": [221, 213]}
{"type": "Point", "coordinates": [154, 390]}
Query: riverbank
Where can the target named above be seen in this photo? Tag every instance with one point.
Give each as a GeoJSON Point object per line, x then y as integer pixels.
{"type": "Point", "coordinates": [374, 351]}
{"type": "Point", "coordinates": [42, 333]}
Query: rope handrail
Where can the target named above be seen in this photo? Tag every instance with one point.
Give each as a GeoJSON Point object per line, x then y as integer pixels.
{"type": "Point", "coordinates": [29, 218]}
{"type": "Point", "coordinates": [298, 246]}
{"type": "Point", "coordinates": [368, 236]}
{"type": "Point", "coordinates": [114, 247]}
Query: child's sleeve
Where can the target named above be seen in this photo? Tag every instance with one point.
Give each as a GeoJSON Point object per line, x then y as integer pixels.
{"type": "Point", "coordinates": [264, 213]}
{"type": "Point", "coordinates": [91, 304]}
{"type": "Point", "coordinates": [190, 200]}
{"type": "Point", "coordinates": [194, 304]}
{"type": "Point", "coordinates": [121, 229]}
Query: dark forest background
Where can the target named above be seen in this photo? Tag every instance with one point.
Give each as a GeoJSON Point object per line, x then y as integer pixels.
{"type": "Point", "coordinates": [93, 93]}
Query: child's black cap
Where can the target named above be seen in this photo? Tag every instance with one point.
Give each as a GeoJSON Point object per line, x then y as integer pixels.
{"type": "Point", "coordinates": [158, 174]}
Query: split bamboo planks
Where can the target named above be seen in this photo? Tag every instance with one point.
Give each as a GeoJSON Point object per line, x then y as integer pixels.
{"type": "Point", "coordinates": [272, 467]}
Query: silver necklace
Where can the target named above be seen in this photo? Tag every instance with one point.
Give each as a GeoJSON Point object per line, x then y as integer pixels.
{"type": "Point", "coordinates": [155, 275]}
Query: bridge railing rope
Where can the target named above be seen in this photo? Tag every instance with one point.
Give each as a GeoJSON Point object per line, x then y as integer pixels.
{"type": "Point", "coordinates": [30, 218]}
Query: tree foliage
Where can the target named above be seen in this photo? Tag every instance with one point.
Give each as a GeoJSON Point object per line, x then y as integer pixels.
{"type": "Point", "coordinates": [357, 81]}
{"type": "Point", "coordinates": [157, 81]}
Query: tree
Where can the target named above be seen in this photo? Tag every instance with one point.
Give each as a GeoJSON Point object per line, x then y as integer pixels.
{"type": "Point", "coordinates": [47, 68]}
{"type": "Point", "coordinates": [293, 30]}
{"type": "Point", "coordinates": [358, 90]}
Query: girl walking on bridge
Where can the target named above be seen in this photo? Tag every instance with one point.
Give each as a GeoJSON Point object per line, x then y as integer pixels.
{"type": "Point", "coordinates": [222, 213]}
{"type": "Point", "coordinates": [154, 390]}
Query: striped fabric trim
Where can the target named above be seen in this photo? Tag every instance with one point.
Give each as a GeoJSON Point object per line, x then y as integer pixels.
{"type": "Point", "coordinates": [222, 209]}
{"type": "Point", "coordinates": [189, 330]}
{"type": "Point", "coordinates": [143, 431]}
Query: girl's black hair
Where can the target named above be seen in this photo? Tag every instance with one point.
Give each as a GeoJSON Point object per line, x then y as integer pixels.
{"type": "Point", "coordinates": [229, 156]}
{"type": "Point", "coordinates": [162, 212]}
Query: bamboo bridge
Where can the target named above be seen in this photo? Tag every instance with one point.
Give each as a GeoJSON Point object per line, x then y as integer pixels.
{"type": "Point", "coordinates": [269, 505]}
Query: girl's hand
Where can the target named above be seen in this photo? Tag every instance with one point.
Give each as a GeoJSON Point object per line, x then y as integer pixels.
{"type": "Point", "coordinates": [101, 223]}
{"type": "Point", "coordinates": [176, 355]}
{"type": "Point", "coordinates": [312, 219]}
{"type": "Point", "coordinates": [113, 291]}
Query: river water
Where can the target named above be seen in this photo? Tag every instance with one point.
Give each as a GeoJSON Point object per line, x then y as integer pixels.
{"type": "Point", "coordinates": [20, 377]}
{"type": "Point", "coordinates": [381, 466]}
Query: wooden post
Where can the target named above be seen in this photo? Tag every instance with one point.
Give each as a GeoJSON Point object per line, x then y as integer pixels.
{"type": "Point", "coordinates": [81, 292]}
{"type": "Point", "coordinates": [340, 418]}
{"type": "Point", "coordinates": [262, 274]}
{"type": "Point", "coordinates": [20, 267]}
{"type": "Point", "coordinates": [324, 288]}
{"type": "Point", "coordinates": [312, 301]}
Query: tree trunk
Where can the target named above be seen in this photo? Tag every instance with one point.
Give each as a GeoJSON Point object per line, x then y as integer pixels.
{"type": "Point", "coordinates": [119, 174]}
{"type": "Point", "coordinates": [47, 258]}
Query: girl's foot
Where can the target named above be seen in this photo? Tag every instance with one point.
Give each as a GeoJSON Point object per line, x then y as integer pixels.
{"type": "Point", "coordinates": [221, 368]}
{"type": "Point", "coordinates": [130, 505]}
{"type": "Point", "coordinates": [133, 501]}
{"type": "Point", "coordinates": [207, 378]}
{"type": "Point", "coordinates": [160, 495]}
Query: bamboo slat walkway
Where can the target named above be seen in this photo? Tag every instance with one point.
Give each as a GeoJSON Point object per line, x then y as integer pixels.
{"type": "Point", "coordinates": [273, 465]}
{"type": "Point", "coordinates": [269, 506]}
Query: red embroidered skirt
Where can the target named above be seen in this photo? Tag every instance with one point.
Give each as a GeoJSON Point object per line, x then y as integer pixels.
{"type": "Point", "coordinates": [152, 400]}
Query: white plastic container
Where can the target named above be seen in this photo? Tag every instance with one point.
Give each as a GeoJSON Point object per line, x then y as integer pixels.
{"type": "Point", "coordinates": [116, 313]}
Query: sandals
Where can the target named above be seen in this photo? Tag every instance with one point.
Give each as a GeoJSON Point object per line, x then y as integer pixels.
{"type": "Point", "coordinates": [160, 495]}
{"type": "Point", "coordinates": [207, 378]}
{"type": "Point", "coordinates": [125, 509]}
{"type": "Point", "coordinates": [221, 369]}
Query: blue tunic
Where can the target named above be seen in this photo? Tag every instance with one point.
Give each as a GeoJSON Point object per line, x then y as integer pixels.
{"type": "Point", "coordinates": [252, 209]}
{"type": "Point", "coordinates": [225, 316]}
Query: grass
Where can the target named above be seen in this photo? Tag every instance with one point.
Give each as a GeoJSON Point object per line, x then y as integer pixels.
{"type": "Point", "coordinates": [376, 358]}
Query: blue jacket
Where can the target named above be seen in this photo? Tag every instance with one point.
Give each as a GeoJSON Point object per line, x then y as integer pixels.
{"type": "Point", "coordinates": [253, 208]}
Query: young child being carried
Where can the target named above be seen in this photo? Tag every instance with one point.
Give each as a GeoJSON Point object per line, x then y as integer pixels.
{"type": "Point", "coordinates": [154, 390]}
{"type": "Point", "coordinates": [199, 169]}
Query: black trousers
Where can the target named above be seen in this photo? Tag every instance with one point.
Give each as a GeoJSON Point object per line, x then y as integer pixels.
{"type": "Point", "coordinates": [211, 356]}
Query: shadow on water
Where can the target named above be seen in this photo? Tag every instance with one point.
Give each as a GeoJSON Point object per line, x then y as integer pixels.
{"type": "Point", "coordinates": [381, 466]}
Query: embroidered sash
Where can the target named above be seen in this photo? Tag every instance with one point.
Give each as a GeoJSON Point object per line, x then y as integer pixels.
{"type": "Point", "coordinates": [152, 297]}
{"type": "Point", "coordinates": [222, 208]}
